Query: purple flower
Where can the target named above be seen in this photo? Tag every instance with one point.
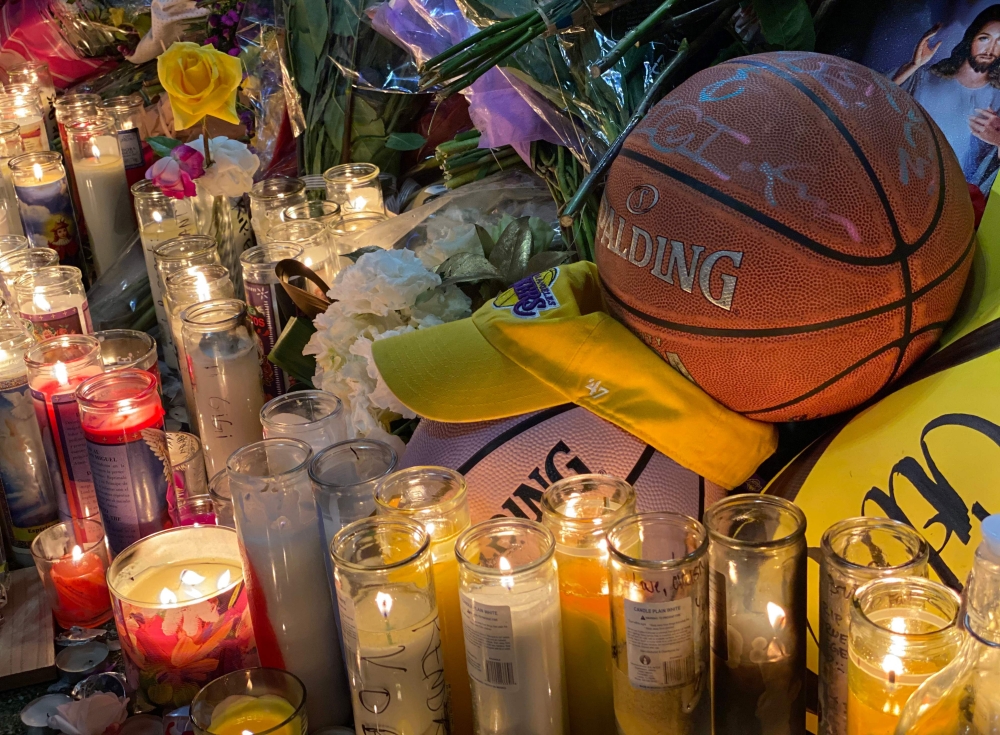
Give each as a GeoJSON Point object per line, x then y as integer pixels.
{"type": "Point", "coordinates": [191, 161]}
{"type": "Point", "coordinates": [231, 18]}
{"type": "Point", "coordinates": [233, 51]}
{"type": "Point", "coordinates": [212, 41]}
{"type": "Point", "coordinates": [213, 20]}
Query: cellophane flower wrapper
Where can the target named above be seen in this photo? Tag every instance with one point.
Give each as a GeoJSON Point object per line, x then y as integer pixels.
{"type": "Point", "coordinates": [97, 28]}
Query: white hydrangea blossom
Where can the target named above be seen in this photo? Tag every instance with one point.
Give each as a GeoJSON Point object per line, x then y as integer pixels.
{"type": "Point", "coordinates": [384, 294]}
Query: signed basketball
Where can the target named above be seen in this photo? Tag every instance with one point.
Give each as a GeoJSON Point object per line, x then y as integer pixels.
{"type": "Point", "coordinates": [789, 230]}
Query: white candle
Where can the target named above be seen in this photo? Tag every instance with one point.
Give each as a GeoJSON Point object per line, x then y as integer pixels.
{"type": "Point", "coordinates": [151, 236]}
{"type": "Point", "coordinates": [54, 301]}
{"type": "Point", "coordinates": [104, 192]}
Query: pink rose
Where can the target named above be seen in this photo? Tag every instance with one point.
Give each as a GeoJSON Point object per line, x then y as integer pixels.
{"type": "Point", "coordinates": [191, 161]}
{"type": "Point", "coordinates": [175, 174]}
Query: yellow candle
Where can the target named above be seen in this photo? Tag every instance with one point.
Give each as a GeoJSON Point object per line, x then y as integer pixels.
{"type": "Point", "coordinates": [241, 714]}
{"type": "Point", "coordinates": [452, 638]}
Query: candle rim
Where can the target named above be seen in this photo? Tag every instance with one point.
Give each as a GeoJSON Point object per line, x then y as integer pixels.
{"type": "Point", "coordinates": [292, 231]}
{"type": "Point", "coordinates": [46, 257]}
{"type": "Point", "coordinates": [351, 173]}
{"type": "Point", "coordinates": [268, 254]}
{"type": "Point", "coordinates": [855, 525]}
{"type": "Point", "coordinates": [372, 525]}
{"type": "Point", "coordinates": [43, 158]}
{"type": "Point", "coordinates": [270, 410]}
{"type": "Point", "coordinates": [268, 189]}
{"type": "Point", "coordinates": [491, 528]}
{"type": "Point", "coordinates": [51, 277]}
{"type": "Point", "coordinates": [376, 218]}
{"type": "Point", "coordinates": [223, 682]}
{"type": "Point", "coordinates": [144, 380]}
{"type": "Point", "coordinates": [551, 510]}
{"type": "Point", "coordinates": [859, 614]}
{"type": "Point", "coordinates": [144, 341]}
{"type": "Point", "coordinates": [243, 454]}
{"type": "Point", "coordinates": [200, 318]}
{"type": "Point", "coordinates": [85, 548]}
{"type": "Point", "coordinates": [676, 519]}
{"type": "Point", "coordinates": [322, 215]}
{"type": "Point", "coordinates": [86, 344]}
{"type": "Point", "coordinates": [352, 445]}
{"type": "Point", "coordinates": [794, 536]}
{"type": "Point", "coordinates": [185, 245]}
{"type": "Point", "coordinates": [430, 509]}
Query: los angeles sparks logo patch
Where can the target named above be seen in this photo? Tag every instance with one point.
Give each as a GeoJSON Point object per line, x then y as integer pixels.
{"type": "Point", "coordinates": [530, 296]}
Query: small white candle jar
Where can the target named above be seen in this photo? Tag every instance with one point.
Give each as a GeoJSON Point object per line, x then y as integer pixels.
{"type": "Point", "coordinates": [126, 348]}
{"type": "Point", "coordinates": [103, 188]}
{"type": "Point", "coordinates": [315, 240]}
{"type": "Point", "coordinates": [344, 235]}
{"type": "Point", "coordinates": [20, 104]}
{"type": "Point", "coordinates": [72, 107]}
{"type": "Point", "coordinates": [269, 197]}
{"type": "Point", "coordinates": [19, 262]}
{"type": "Point", "coordinates": [313, 416]}
{"type": "Point", "coordinates": [509, 589]}
{"type": "Point", "coordinates": [188, 463]}
{"type": "Point", "coordinates": [389, 617]}
{"type": "Point", "coordinates": [12, 244]}
{"type": "Point", "coordinates": [355, 187]}
{"type": "Point", "coordinates": [35, 74]}
{"type": "Point", "coordinates": [10, 146]}
{"type": "Point", "coordinates": [54, 301]}
{"type": "Point", "coordinates": [325, 212]}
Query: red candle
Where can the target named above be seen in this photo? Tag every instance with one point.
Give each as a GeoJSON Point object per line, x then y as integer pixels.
{"type": "Point", "coordinates": [81, 590]}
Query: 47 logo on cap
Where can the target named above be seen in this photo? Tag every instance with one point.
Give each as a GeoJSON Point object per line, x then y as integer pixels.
{"type": "Point", "coordinates": [530, 296]}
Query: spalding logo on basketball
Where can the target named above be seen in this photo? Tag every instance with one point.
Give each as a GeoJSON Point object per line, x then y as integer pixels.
{"type": "Point", "coordinates": [789, 230]}
{"type": "Point", "coordinates": [509, 463]}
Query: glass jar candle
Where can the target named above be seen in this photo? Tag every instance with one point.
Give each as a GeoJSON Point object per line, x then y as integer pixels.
{"type": "Point", "coordinates": [72, 560]}
{"type": "Point", "coordinates": [392, 642]}
{"type": "Point", "coordinates": [660, 623]}
{"type": "Point", "coordinates": [853, 552]}
{"type": "Point", "coordinates": [224, 369]}
{"type": "Point", "coordinates": [269, 305]}
{"type": "Point", "coordinates": [314, 416]}
{"type": "Point", "coordinates": [344, 235]}
{"type": "Point", "coordinates": [579, 510]}
{"type": "Point", "coordinates": [160, 219]}
{"type": "Point", "coordinates": [903, 630]}
{"type": "Point", "coordinates": [12, 244]}
{"type": "Point", "coordinates": [55, 368]}
{"type": "Point", "coordinates": [32, 504]}
{"type": "Point", "coordinates": [174, 254]}
{"type": "Point", "coordinates": [46, 206]}
{"type": "Point", "coordinates": [128, 348]}
{"type": "Point", "coordinates": [13, 265]}
{"type": "Point", "coordinates": [54, 301]}
{"type": "Point", "coordinates": [249, 702]}
{"type": "Point", "coordinates": [435, 497]}
{"type": "Point", "coordinates": [325, 212]}
{"type": "Point", "coordinates": [19, 104]}
{"type": "Point", "coordinates": [757, 599]}
{"type": "Point", "coordinates": [282, 546]}
{"type": "Point", "coordinates": [122, 420]}
{"type": "Point", "coordinates": [196, 511]}
{"type": "Point", "coordinates": [509, 589]}
{"type": "Point", "coordinates": [188, 463]}
{"type": "Point", "coordinates": [103, 187]}
{"type": "Point", "coordinates": [126, 114]}
{"type": "Point", "coordinates": [194, 285]}
{"type": "Point", "coordinates": [180, 607]}
{"type": "Point", "coordinates": [222, 500]}
{"type": "Point", "coordinates": [10, 146]}
{"type": "Point", "coordinates": [73, 107]}
{"type": "Point", "coordinates": [268, 197]}
{"type": "Point", "coordinates": [355, 187]}
{"type": "Point", "coordinates": [36, 74]}
{"type": "Point", "coordinates": [314, 239]}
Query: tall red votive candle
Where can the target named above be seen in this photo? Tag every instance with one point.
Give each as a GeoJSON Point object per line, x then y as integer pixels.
{"type": "Point", "coordinates": [122, 420]}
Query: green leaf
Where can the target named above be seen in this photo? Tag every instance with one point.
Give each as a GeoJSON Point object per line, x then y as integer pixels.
{"type": "Point", "coordinates": [786, 24]}
{"type": "Point", "coordinates": [467, 268]}
{"type": "Point", "coordinates": [362, 251]}
{"type": "Point", "coordinates": [162, 145]}
{"type": "Point", "coordinates": [544, 260]}
{"type": "Point", "coordinates": [513, 250]}
{"type": "Point", "coordinates": [405, 141]}
{"type": "Point", "coordinates": [287, 351]}
{"type": "Point", "coordinates": [485, 239]}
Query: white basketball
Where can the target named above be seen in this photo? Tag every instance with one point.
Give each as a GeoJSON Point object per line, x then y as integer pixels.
{"type": "Point", "coordinates": [509, 463]}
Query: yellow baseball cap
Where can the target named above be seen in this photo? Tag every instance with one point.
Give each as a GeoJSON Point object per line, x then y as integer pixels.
{"type": "Point", "coordinates": [548, 341]}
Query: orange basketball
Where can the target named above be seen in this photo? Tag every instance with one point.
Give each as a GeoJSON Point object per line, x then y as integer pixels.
{"type": "Point", "coordinates": [789, 230]}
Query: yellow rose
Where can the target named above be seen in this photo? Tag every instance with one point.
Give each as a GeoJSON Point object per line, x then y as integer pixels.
{"type": "Point", "coordinates": [199, 80]}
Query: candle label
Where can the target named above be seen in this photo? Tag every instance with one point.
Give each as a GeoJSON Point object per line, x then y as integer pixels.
{"type": "Point", "coordinates": [58, 323]}
{"type": "Point", "coordinates": [28, 498]}
{"type": "Point", "coordinates": [33, 136]}
{"type": "Point", "coordinates": [268, 318]}
{"type": "Point", "coordinates": [132, 480]}
{"type": "Point", "coordinates": [47, 214]}
{"type": "Point", "coordinates": [489, 644]}
{"type": "Point", "coordinates": [66, 454]}
{"type": "Point", "coordinates": [130, 143]}
{"type": "Point", "coordinates": [660, 641]}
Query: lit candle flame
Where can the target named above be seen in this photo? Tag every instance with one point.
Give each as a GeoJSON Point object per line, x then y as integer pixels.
{"type": "Point", "coordinates": [60, 371]}
{"type": "Point", "coordinates": [506, 581]}
{"type": "Point", "coordinates": [167, 597]}
{"type": "Point", "coordinates": [224, 580]}
{"type": "Point", "coordinates": [191, 577]}
{"type": "Point", "coordinates": [77, 553]}
{"type": "Point", "coordinates": [892, 665]}
{"type": "Point", "coordinates": [96, 151]}
{"type": "Point", "coordinates": [776, 616]}
{"type": "Point", "coordinates": [201, 287]}
{"type": "Point", "coordinates": [37, 171]}
{"type": "Point", "coordinates": [383, 602]}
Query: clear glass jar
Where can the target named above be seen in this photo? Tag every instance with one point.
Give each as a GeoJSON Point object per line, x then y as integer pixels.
{"type": "Point", "coordinates": [126, 114]}
{"type": "Point", "coordinates": [509, 588]}
{"type": "Point", "coordinates": [388, 609]}
{"type": "Point", "coordinates": [355, 187]}
{"type": "Point", "coordinates": [344, 236]}
{"type": "Point", "coordinates": [251, 701]}
{"type": "Point", "coordinates": [20, 105]}
{"type": "Point", "coordinates": [34, 74]}
{"type": "Point", "coordinates": [194, 285]}
{"type": "Point", "coordinates": [325, 212]}
{"type": "Point", "coordinates": [43, 195]}
{"type": "Point", "coordinates": [269, 304]}
{"type": "Point", "coordinates": [13, 265]}
{"type": "Point", "coordinates": [853, 552]}
{"type": "Point", "coordinates": [902, 631]}
{"type": "Point", "coordinates": [72, 559]}
{"type": "Point", "coordinates": [268, 197]}
{"type": "Point", "coordinates": [55, 368]}
{"type": "Point", "coordinates": [314, 416]}
{"type": "Point", "coordinates": [660, 622]}
{"type": "Point", "coordinates": [222, 500]}
{"type": "Point", "coordinates": [13, 243]}
{"type": "Point", "coordinates": [30, 497]}
{"type": "Point", "coordinates": [54, 301]}
{"type": "Point", "coordinates": [188, 464]}
{"type": "Point", "coordinates": [71, 107]}
{"type": "Point", "coordinates": [122, 348]}
{"type": "Point", "coordinates": [103, 187]}
{"type": "Point", "coordinates": [435, 497]}
{"type": "Point", "coordinates": [757, 602]}
{"type": "Point", "coordinates": [964, 697]}
{"type": "Point", "coordinates": [10, 146]}
{"type": "Point", "coordinates": [313, 237]}
{"type": "Point", "coordinates": [184, 251]}
{"type": "Point", "coordinates": [283, 547]}
{"type": "Point", "coordinates": [122, 419]}
{"type": "Point", "coordinates": [579, 510]}
{"type": "Point", "coordinates": [224, 369]}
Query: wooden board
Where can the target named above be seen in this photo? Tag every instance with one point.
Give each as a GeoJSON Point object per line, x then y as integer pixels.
{"type": "Point", "coordinates": [27, 645]}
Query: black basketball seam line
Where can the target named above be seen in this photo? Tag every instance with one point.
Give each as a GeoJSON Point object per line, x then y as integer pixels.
{"type": "Point", "coordinates": [760, 218]}
{"type": "Point", "coordinates": [640, 464]}
{"type": "Point", "coordinates": [907, 316]}
{"type": "Point", "coordinates": [938, 210]}
{"type": "Point", "coordinates": [505, 436]}
{"type": "Point", "coordinates": [848, 138]}
{"type": "Point", "coordinates": [788, 331]}
{"type": "Point", "coordinates": [902, 343]}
